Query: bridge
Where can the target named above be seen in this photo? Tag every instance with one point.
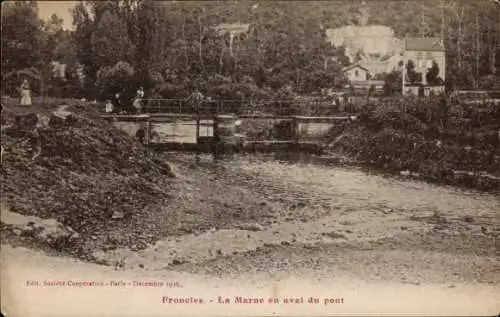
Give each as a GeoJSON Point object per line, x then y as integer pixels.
{"type": "Point", "coordinates": [177, 124]}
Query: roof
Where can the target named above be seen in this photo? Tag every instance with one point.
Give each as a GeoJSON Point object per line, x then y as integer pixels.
{"type": "Point", "coordinates": [354, 66]}
{"type": "Point", "coordinates": [424, 44]}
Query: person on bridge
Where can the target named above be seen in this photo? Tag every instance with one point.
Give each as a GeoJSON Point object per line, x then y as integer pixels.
{"type": "Point", "coordinates": [197, 98]}
{"type": "Point", "coordinates": [25, 93]}
{"type": "Point", "coordinates": [138, 99]}
{"type": "Point", "coordinates": [109, 107]}
{"type": "Point", "coordinates": [116, 102]}
{"type": "Point", "coordinates": [335, 103]}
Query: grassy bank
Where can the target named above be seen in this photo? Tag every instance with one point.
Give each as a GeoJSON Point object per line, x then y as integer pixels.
{"type": "Point", "coordinates": [441, 141]}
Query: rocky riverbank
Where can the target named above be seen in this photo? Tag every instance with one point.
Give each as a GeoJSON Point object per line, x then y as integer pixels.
{"type": "Point", "coordinates": [63, 163]}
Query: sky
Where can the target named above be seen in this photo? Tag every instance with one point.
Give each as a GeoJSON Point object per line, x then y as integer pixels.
{"type": "Point", "coordinates": [61, 8]}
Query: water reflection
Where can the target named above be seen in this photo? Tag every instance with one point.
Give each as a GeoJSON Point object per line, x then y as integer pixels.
{"type": "Point", "coordinates": [320, 179]}
{"type": "Point", "coordinates": [295, 158]}
{"type": "Point", "coordinates": [220, 159]}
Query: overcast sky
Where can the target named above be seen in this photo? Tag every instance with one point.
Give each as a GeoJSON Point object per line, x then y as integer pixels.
{"type": "Point", "coordinates": [61, 8]}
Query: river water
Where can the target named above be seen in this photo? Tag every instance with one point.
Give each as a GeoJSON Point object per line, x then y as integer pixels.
{"type": "Point", "coordinates": [313, 178]}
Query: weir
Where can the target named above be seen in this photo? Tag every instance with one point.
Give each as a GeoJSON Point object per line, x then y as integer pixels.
{"type": "Point", "coordinates": [209, 133]}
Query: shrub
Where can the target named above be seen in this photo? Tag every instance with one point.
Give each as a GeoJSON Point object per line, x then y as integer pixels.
{"type": "Point", "coordinates": [119, 78]}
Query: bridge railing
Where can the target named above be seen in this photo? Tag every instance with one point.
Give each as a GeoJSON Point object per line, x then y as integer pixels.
{"type": "Point", "coordinates": [241, 107]}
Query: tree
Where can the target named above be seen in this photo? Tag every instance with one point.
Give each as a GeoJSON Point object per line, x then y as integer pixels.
{"type": "Point", "coordinates": [284, 46]}
{"type": "Point", "coordinates": [412, 77]}
{"type": "Point", "coordinates": [82, 37]}
{"type": "Point", "coordinates": [109, 40]}
{"type": "Point", "coordinates": [20, 40]}
{"type": "Point", "coordinates": [149, 38]}
{"type": "Point", "coordinates": [56, 51]}
{"type": "Point", "coordinates": [118, 78]}
{"type": "Point", "coordinates": [432, 75]}
{"type": "Point", "coordinates": [392, 83]}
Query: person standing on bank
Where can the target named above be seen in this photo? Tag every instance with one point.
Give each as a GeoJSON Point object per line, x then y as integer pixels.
{"type": "Point", "coordinates": [25, 93]}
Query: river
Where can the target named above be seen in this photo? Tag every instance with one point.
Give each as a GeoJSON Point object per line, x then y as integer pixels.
{"type": "Point", "coordinates": [252, 203]}
{"type": "Point", "coordinates": [273, 225]}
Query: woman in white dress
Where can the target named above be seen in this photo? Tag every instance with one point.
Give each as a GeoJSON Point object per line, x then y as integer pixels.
{"type": "Point", "coordinates": [25, 93]}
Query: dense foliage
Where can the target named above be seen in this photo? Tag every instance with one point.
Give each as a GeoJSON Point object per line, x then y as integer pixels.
{"type": "Point", "coordinates": [169, 47]}
{"type": "Point", "coordinates": [435, 137]}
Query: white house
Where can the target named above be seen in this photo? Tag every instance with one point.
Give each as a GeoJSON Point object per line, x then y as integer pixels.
{"type": "Point", "coordinates": [423, 52]}
{"type": "Point", "coordinates": [356, 72]}
{"type": "Point", "coordinates": [58, 69]}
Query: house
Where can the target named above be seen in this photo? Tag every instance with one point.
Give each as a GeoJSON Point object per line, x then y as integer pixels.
{"type": "Point", "coordinates": [420, 56]}
{"type": "Point", "coordinates": [359, 78]}
{"type": "Point", "coordinates": [356, 72]}
{"type": "Point", "coordinates": [58, 69]}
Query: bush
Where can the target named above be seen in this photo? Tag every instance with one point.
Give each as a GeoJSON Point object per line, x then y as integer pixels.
{"type": "Point", "coordinates": [429, 136]}
{"type": "Point", "coordinates": [119, 78]}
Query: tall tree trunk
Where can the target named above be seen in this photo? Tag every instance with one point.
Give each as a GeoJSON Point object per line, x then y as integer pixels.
{"type": "Point", "coordinates": [221, 62]}
{"type": "Point", "coordinates": [186, 60]}
{"type": "Point", "coordinates": [478, 52]}
{"type": "Point", "coordinates": [298, 81]}
{"type": "Point", "coordinates": [494, 46]}
{"type": "Point", "coordinates": [442, 20]}
{"type": "Point", "coordinates": [200, 49]}
{"type": "Point", "coordinates": [459, 46]}
{"type": "Point", "coordinates": [459, 13]}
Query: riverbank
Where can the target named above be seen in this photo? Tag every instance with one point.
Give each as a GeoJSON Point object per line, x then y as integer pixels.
{"type": "Point", "coordinates": [95, 184]}
{"type": "Point", "coordinates": [456, 144]}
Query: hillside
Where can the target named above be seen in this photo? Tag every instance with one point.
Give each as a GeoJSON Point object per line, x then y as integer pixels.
{"type": "Point", "coordinates": [373, 39]}
{"type": "Point", "coordinates": [168, 47]}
